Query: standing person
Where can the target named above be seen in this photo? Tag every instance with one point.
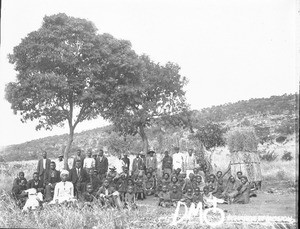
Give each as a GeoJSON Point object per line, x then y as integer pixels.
{"type": "Point", "coordinates": [167, 163]}
{"type": "Point", "coordinates": [177, 159]}
{"type": "Point", "coordinates": [43, 166]}
{"type": "Point", "coordinates": [52, 178]}
{"type": "Point", "coordinates": [119, 164]}
{"type": "Point", "coordinates": [60, 163]}
{"type": "Point", "coordinates": [137, 165]}
{"type": "Point", "coordinates": [189, 162]}
{"type": "Point", "coordinates": [151, 161]}
{"type": "Point", "coordinates": [78, 156]}
{"type": "Point", "coordinates": [101, 165]}
{"type": "Point", "coordinates": [79, 177]}
{"type": "Point", "coordinates": [89, 162]}
{"type": "Point", "coordinates": [126, 161]}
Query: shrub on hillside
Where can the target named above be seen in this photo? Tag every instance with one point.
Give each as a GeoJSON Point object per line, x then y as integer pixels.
{"type": "Point", "coordinates": [287, 156]}
{"type": "Point", "coordinates": [286, 127]}
{"type": "Point", "coordinates": [242, 139]}
{"type": "Point", "coordinates": [281, 139]}
{"type": "Point", "coordinates": [269, 156]}
{"type": "Point", "coordinates": [263, 133]}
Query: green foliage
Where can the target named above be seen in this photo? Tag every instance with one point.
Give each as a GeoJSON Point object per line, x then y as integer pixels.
{"type": "Point", "coordinates": [242, 139]}
{"type": "Point", "coordinates": [211, 135]}
{"type": "Point", "coordinates": [287, 156]}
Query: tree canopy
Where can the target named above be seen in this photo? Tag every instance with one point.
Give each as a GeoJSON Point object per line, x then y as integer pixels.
{"type": "Point", "coordinates": [66, 72]}
{"type": "Point", "coordinates": [157, 94]}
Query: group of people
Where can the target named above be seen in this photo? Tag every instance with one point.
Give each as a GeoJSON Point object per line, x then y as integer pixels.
{"type": "Point", "coordinates": [182, 178]}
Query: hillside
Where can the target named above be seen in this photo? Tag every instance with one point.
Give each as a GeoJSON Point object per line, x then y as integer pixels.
{"type": "Point", "coordinates": [272, 118]}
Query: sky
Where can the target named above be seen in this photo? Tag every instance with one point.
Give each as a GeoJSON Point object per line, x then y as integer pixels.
{"type": "Point", "coordinates": [229, 50]}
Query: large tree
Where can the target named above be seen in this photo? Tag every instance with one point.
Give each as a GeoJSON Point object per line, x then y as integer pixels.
{"type": "Point", "coordinates": [66, 72]}
{"type": "Point", "coordinates": [158, 93]}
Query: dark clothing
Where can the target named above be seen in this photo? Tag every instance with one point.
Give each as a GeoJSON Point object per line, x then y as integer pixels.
{"type": "Point", "coordinates": [52, 177]}
{"type": "Point", "coordinates": [95, 181]}
{"type": "Point", "coordinates": [126, 162]}
{"type": "Point", "coordinates": [17, 181]}
{"type": "Point", "coordinates": [101, 165]}
{"type": "Point", "coordinates": [87, 197]}
{"type": "Point", "coordinates": [167, 163]}
{"type": "Point", "coordinates": [76, 158]}
{"type": "Point", "coordinates": [79, 180]}
{"type": "Point", "coordinates": [19, 195]}
{"type": "Point", "coordinates": [41, 170]}
{"type": "Point", "coordinates": [38, 185]}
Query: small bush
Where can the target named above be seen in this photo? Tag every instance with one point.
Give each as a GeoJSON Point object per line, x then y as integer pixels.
{"type": "Point", "coordinates": [281, 175]}
{"type": "Point", "coordinates": [287, 156]}
{"type": "Point", "coordinates": [269, 156]}
{"type": "Point", "coordinates": [281, 139]}
{"type": "Point", "coordinates": [286, 127]}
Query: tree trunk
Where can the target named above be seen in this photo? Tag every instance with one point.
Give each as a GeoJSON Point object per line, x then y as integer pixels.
{"type": "Point", "coordinates": [68, 147]}
{"type": "Point", "coordinates": [144, 139]}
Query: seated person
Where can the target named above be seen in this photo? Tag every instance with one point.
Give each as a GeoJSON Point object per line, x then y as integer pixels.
{"type": "Point", "coordinates": [79, 177]}
{"type": "Point", "coordinates": [52, 178]}
{"type": "Point", "coordinates": [36, 183]}
{"type": "Point", "coordinates": [199, 182]}
{"type": "Point", "coordinates": [139, 188]}
{"type": "Point", "coordinates": [181, 182]}
{"type": "Point", "coordinates": [188, 196]}
{"type": "Point", "coordinates": [212, 183]}
{"type": "Point", "coordinates": [175, 195]}
{"type": "Point", "coordinates": [21, 176]}
{"type": "Point", "coordinates": [197, 197]}
{"type": "Point", "coordinates": [231, 188]}
{"type": "Point", "coordinates": [219, 175]}
{"type": "Point", "coordinates": [188, 182]}
{"type": "Point", "coordinates": [94, 179]}
{"type": "Point", "coordinates": [176, 172]}
{"type": "Point", "coordinates": [209, 199]}
{"type": "Point", "coordinates": [174, 181]}
{"type": "Point", "coordinates": [243, 195]}
{"type": "Point", "coordinates": [164, 197]}
{"type": "Point", "coordinates": [88, 196]}
{"type": "Point", "coordinates": [149, 184]}
{"type": "Point", "coordinates": [34, 200]}
{"type": "Point", "coordinates": [163, 181]}
{"type": "Point", "coordinates": [129, 200]}
{"type": "Point", "coordinates": [64, 190]}
{"type": "Point", "coordinates": [19, 194]}
{"type": "Point", "coordinates": [218, 193]}
{"type": "Point", "coordinates": [121, 185]}
{"type": "Point", "coordinates": [108, 195]}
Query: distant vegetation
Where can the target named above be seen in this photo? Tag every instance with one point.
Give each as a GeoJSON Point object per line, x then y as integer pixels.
{"type": "Point", "coordinates": [271, 118]}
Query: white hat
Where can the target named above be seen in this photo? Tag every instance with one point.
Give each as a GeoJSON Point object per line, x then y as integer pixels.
{"type": "Point", "coordinates": [64, 172]}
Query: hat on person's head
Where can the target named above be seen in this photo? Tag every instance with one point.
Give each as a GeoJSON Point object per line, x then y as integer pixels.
{"type": "Point", "coordinates": [112, 168]}
{"type": "Point", "coordinates": [151, 151]}
{"type": "Point", "coordinates": [64, 172]}
{"type": "Point", "coordinates": [60, 155]}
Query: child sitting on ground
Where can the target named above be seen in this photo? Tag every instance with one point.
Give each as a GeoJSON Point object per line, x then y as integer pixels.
{"type": "Point", "coordinates": [188, 182]}
{"type": "Point", "coordinates": [208, 198]}
{"type": "Point", "coordinates": [175, 195]}
{"type": "Point", "coordinates": [164, 197]}
{"type": "Point", "coordinates": [88, 196]}
{"type": "Point", "coordinates": [149, 184]}
{"type": "Point", "coordinates": [129, 200]}
{"type": "Point", "coordinates": [139, 188]}
{"type": "Point", "coordinates": [197, 197]}
{"type": "Point", "coordinates": [188, 197]}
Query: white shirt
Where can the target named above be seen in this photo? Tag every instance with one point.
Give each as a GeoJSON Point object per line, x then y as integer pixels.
{"type": "Point", "coordinates": [44, 163]}
{"type": "Point", "coordinates": [177, 161]}
{"type": "Point", "coordinates": [59, 165]}
{"type": "Point", "coordinates": [63, 191]}
{"type": "Point", "coordinates": [119, 165]}
{"type": "Point", "coordinates": [189, 162]}
{"type": "Point", "coordinates": [89, 163]}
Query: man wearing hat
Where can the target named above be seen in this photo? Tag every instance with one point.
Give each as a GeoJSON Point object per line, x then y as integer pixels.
{"type": "Point", "coordinates": [151, 161]}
